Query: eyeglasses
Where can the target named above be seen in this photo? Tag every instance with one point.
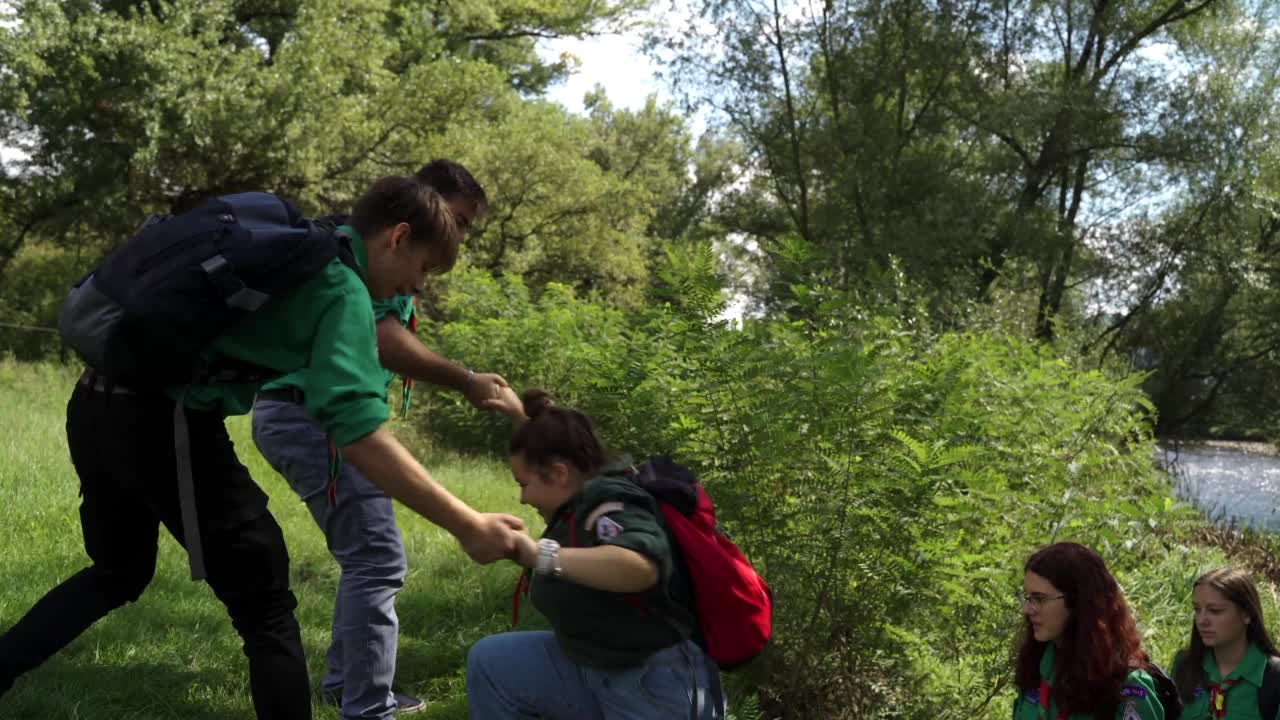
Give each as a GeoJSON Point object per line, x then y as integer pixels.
{"type": "Point", "coordinates": [1035, 600]}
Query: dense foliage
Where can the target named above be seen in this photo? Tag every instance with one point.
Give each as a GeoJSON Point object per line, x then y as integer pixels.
{"type": "Point", "coordinates": [888, 480]}
{"type": "Point", "coordinates": [989, 251]}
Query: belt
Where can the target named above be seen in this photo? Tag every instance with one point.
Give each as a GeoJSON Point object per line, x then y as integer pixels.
{"type": "Point", "coordinates": [289, 395]}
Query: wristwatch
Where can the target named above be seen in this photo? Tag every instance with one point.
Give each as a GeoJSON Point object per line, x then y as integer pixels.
{"type": "Point", "coordinates": [548, 562]}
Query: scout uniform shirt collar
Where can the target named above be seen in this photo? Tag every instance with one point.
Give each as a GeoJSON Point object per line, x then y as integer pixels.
{"type": "Point", "coordinates": [1250, 669]}
{"type": "Point", "coordinates": [615, 466]}
{"type": "Point", "coordinates": [1046, 663]}
{"type": "Point", "coordinates": [1045, 698]}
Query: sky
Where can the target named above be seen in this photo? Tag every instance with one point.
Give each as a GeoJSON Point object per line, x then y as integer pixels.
{"type": "Point", "coordinates": [613, 61]}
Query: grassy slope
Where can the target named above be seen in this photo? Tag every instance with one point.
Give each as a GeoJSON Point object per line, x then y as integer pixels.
{"type": "Point", "coordinates": [174, 654]}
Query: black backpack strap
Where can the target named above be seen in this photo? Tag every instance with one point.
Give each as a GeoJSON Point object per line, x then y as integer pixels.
{"type": "Point", "coordinates": [1269, 694]}
{"type": "Point", "coordinates": [667, 481]}
{"type": "Point", "coordinates": [346, 254]}
{"type": "Point", "coordinates": [705, 704]}
{"type": "Point", "coordinates": [186, 488]}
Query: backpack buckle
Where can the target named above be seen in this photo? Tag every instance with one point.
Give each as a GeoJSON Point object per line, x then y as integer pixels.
{"type": "Point", "coordinates": [234, 292]}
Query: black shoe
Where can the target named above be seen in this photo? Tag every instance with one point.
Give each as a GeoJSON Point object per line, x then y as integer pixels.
{"type": "Point", "coordinates": [408, 704]}
{"type": "Point", "coordinates": [405, 704]}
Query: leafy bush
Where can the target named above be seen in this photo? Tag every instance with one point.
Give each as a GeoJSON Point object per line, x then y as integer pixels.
{"type": "Point", "coordinates": [33, 289]}
{"type": "Point", "coordinates": [887, 480]}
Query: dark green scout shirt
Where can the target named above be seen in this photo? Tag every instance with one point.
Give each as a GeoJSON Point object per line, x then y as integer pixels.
{"type": "Point", "coordinates": [1242, 698]}
{"type": "Point", "coordinates": [603, 629]}
{"type": "Point", "coordinates": [324, 327]}
{"type": "Point", "coordinates": [400, 307]}
{"type": "Point", "coordinates": [1137, 701]}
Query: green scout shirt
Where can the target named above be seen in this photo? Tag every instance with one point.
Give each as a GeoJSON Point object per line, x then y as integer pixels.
{"type": "Point", "coordinates": [400, 307]}
{"type": "Point", "coordinates": [603, 629]}
{"type": "Point", "coordinates": [324, 327]}
{"type": "Point", "coordinates": [1242, 698]}
{"type": "Point", "coordinates": [1138, 699]}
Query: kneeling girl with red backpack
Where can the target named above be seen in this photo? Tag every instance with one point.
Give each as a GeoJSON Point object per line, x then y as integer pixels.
{"type": "Point", "coordinates": [628, 634]}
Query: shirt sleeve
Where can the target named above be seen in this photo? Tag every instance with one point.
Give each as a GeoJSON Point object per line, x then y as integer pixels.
{"type": "Point", "coordinates": [345, 386]}
{"type": "Point", "coordinates": [627, 517]}
{"type": "Point", "coordinates": [1138, 700]}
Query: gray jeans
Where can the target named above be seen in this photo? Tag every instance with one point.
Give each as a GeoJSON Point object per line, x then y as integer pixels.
{"type": "Point", "coordinates": [362, 536]}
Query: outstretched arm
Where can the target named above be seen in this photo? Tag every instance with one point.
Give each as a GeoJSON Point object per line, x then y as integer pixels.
{"type": "Point", "coordinates": [400, 351]}
{"type": "Point", "coordinates": [381, 458]}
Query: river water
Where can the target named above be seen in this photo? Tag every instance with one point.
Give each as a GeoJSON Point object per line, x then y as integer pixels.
{"type": "Point", "coordinates": [1240, 482]}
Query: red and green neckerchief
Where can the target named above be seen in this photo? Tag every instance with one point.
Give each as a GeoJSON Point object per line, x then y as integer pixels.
{"type": "Point", "coordinates": [406, 382]}
{"type": "Point", "coordinates": [1218, 698]}
{"type": "Point", "coordinates": [1042, 712]}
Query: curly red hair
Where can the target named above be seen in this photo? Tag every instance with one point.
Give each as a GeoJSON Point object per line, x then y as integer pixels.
{"type": "Point", "coordinates": [1099, 644]}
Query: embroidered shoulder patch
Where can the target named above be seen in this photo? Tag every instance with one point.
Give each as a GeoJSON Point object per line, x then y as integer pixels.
{"type": "Point", "coordinates": [1133, 692]}
{"type": "Point", "coordinates": [1131, 711]}
{"type": "Point", "coordinates": [601, 510]}
{"type": "Point", "coordinates": [607, 528]}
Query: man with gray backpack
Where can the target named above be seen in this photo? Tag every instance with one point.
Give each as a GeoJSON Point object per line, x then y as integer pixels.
{"type": "Point", "coordinates": [180, 327]}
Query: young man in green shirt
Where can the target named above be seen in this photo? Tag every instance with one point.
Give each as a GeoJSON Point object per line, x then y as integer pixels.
{"type": "Point", "coordinates": [122, 443]}
{"type": "Point", "coordinates": [358, 520]}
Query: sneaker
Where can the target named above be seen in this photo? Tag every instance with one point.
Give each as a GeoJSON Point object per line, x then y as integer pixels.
{"type": "Point", "coordinates": [405, 704]}
{"type": "Point", "coordinates": [408, 704]}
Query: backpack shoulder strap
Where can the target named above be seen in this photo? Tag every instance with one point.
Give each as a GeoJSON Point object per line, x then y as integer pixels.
{"type": "Point", "coordinates": [346, 254]}
{"type": "Point", "coordinates": [1269, 694]}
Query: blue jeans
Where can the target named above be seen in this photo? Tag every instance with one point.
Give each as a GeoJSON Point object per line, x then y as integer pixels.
{"type": "Point", "coordinates": [362, 536]}
{"type": "Point", "coordinates": [525, 675]}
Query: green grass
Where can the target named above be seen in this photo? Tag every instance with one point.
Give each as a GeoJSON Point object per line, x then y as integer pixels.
{"type": "Point", "coordinates": [174, 654]}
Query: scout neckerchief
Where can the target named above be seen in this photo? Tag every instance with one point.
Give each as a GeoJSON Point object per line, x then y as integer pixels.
{"type": "Point", "coordinates": [525, 581]}
{"type": "Point", "coordinates": [1043, 711]}
{"type": "Point", "coordinates": [406, 382]}
{"type": "Point", "coordinates": [1218, 698]}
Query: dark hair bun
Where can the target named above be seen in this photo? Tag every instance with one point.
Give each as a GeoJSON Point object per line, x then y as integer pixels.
{"type": "Point", "coordinates": [535, 401]}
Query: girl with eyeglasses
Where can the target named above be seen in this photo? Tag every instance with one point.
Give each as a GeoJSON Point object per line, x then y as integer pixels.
{"type": "Point", "coordinates": [1230, 669]}
{"type": "Point", "coordinates": [1080, 657]}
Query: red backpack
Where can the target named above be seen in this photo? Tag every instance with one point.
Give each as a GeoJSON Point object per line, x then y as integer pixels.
{"type": "Point", "coordinates": [733, 604]}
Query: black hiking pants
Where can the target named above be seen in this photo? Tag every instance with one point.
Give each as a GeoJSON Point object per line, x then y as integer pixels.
{"type": "Point", "coordinates": [122, 446]}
